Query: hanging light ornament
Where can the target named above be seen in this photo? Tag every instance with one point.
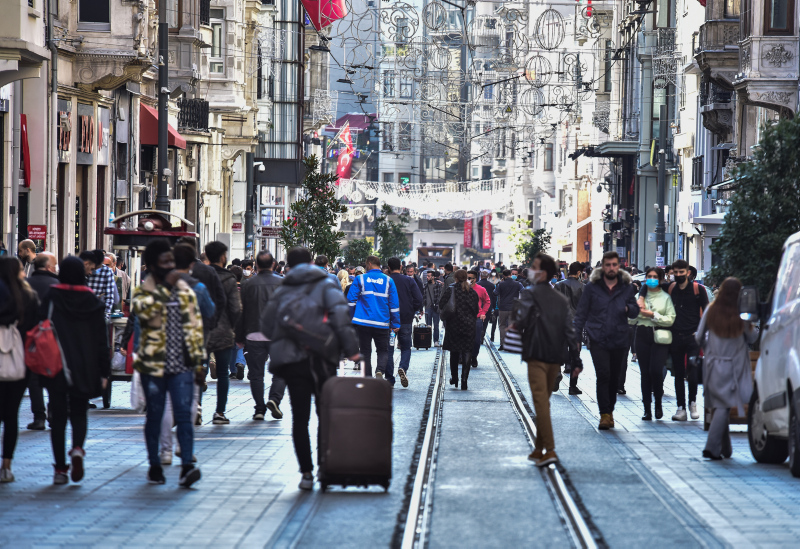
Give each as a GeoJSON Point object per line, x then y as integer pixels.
{"type": "Point", "coordinates": [549, 29]}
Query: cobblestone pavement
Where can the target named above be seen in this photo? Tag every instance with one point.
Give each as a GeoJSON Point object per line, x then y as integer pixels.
{"type": "Point", "coordinates": [744, 502]}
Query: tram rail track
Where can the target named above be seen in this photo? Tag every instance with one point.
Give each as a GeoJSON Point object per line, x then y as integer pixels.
{"type": "Point", "coordinates": [417, 519]}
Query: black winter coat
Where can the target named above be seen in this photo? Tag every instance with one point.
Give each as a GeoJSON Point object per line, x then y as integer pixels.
{"type": "Point", "coordinates": [604, 314]}
{"type": "Point", "coordinates": [328, 294]}
{"type": "Point", "coordinates": [222, 337]}
{"type": "Point", "coordinates": [507, 292]}
{"type": "Point", "coordinates": [256, 293]}
{"type": "Point", "coordinates": [41, 281]}
{"type": "Point", "coordinates": [409, 296]}
{"type": "Point", "coordinates": [206, 274]}
{"type": "Point", "coordinates": [545, 319]}
{"type": "Point", "coordinates": [489, 287]}
{"type": "Point", "coordinates": [572, 289]}
{"type": "Point", "coordinates": [80, 323]}
{"type": "Point", "coordinates": [460, 333]}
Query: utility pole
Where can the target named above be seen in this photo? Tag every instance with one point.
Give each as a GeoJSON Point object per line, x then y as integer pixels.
{"type": "Point", "coordinates": [463, 155]}
{"type": "Point", "coordinates": [661, 246]}
{"type": "Point", "coordinates": [162, 187]}
{"type": "Point", "coordinates": [248, 214]}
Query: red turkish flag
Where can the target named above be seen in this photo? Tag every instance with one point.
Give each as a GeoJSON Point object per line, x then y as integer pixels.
{"type": "Point", "coordinates": [324, 12]}
{"type": "Point", "coordinates": [345, 164]}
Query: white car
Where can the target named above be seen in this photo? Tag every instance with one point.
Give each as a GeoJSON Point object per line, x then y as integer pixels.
{"type": "Point", "coordinates": [773, 426]}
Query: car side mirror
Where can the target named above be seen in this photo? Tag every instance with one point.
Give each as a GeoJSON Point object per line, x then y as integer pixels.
{"type": "Point", "coordinates": [748, 304]}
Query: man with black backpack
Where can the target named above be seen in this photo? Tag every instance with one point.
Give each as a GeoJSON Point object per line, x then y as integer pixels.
{"type": "Point", "coordinates": [544, 318]}
{"type": "Point", "coordinates": [308, 321]}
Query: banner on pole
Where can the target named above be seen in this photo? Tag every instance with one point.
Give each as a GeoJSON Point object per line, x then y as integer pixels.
{"type": "Point", "coordinates": [468, 233]}
{"type": "Point", "coordinates": [487, 231]}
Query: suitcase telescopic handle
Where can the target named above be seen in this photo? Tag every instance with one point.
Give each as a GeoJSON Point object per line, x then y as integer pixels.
{"type": "Point", "coordinates": [363, 364]}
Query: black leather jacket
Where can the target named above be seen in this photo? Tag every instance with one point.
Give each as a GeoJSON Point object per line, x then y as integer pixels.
{"type": "Point", "coordinates": [256, 293]}
{"type": "Point", "coordinates": [283, 350]}
{"type": "Point", "coordinates": [572, 288]}
{"type": "Point", "coordinates": [545, 319]}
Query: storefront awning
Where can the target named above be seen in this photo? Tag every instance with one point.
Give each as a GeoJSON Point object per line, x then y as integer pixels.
{"type": "Point", "coordinates": [711, 219]}
{"type": "Point", "coordinates": [148, 129]}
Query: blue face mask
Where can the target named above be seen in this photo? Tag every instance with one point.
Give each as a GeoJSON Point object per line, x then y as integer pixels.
{"type": "Point", "coordinates": [554, 280]}
{"type": "Point", "coordinates": [651, 282]}
{"type": "Point", "coordinates": [513, 277]}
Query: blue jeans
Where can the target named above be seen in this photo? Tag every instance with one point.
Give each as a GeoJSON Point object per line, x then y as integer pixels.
{"type": "Point", "coordinates": [181, 389]}
{"type": "Point", "coordinates": [239, 360]}
{"type": "Point", "coordinates": [432, 319]}
{"type": "Point", "coordinates": [478, 338]}
{"type": "Point", "coordinates": [404, 342]}
{"type": "Point", "coordinates": [225, 359]}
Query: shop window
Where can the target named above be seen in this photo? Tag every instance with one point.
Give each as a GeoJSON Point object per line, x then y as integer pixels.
{"type": "Point", "coordinates": [548, 157]}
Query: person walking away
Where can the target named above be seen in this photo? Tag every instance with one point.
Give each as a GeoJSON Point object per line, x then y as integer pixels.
{"type": "Point", "coordinates": [376, 312]}
{"type": "Point", "coordinates": [19, 306]}
{"type": "Point", "coordinates": [221, 340]}
{"type": "Point", "coordinates": [170, 355]}
{"type": "Point", "coordinates": [43, 277]}
{"type": "Point", "coordinates": [572, 288]}
{"type": "Point", "coordinates": [208, 276]}
{"type": "Point", "coordinates": [410, 299]}
{"type": "Point", "coordinates": [656, 315]}
{"type": "Point", "coordinates": [256, 295]}
{"type": "Point", "coordinates": [543, 316]}
{"type": "Point", "coordinates": [727, 374]}
{"type": "Point", "coordinates": [691, 300]}
{"type": "Point", "coordinates": [491, 317]}
{"type": "Point", "coordinates": [78, 318]}
{"type": "Point", "coordinates": [484, 306]}
{"type": "Point", "coordinates": [184, 257]}
{"type": "Point", "coordinates": [304, 370]}
{"type": "Point", "coordinates": [322, 262]}
{"type": "Point", "coordinates": [99, 278]}
{"type": "Point", "coordinates": [608, 301]}
{"type": "Point", "coordinates": [459, 338]}
{"type": "Point", "coordinates": [344, 280]}
{"type": "Point", "coordinates": [27, 253]}
{"type": "Point", "coordinates": [507, 291]}
{"type": "Point", "coordinates": [432, 295]}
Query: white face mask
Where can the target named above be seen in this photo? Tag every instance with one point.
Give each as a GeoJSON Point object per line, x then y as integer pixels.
{"type": "Point", "coordinates": [471, 282]}
{"type": "Point", "coordinates": [247, 272]}
{"type": "Point", "coordinates": [533, 276]}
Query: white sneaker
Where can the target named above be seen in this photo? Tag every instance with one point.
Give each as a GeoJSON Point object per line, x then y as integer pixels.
{"type": "Point", "coordinates": [693, 410]}
{"type": "Point", "coordinates": [307, 482]}
{"type": "Point", "coordinates": [378, 375]}
{"type": "Point", "coordinates": [680, 415]}
{"type": "Point", "coordinates": [6, 475]}
{"type": "Point", "coordinates": [166, 457]}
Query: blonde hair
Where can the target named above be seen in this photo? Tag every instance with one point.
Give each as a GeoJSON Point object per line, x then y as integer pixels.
{"type": "Point", "coordinates": [344, 278]}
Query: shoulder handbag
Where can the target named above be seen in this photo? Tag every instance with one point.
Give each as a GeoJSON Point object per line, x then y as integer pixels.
{"type": "Point", "coordinates": [661, 336]}
{"type": "Point", "coordinates": [450, 309]}
{"type": "Point", "coordinates": [12, 354]}
{"type": "Point", "coordinates": [43, 353]}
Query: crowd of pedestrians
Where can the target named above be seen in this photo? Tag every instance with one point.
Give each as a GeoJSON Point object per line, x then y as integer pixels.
{"type": "Point", "coordinates": [196, 315]}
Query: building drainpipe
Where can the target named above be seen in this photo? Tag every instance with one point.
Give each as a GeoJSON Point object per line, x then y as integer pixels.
{"type": "Point", "coordinates": [16, 131]}
{"type": "Point", "coordinates": [53, 136]}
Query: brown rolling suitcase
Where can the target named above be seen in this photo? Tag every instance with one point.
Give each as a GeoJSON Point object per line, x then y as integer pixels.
{"type": "Point", "coordinates": [355, 432]}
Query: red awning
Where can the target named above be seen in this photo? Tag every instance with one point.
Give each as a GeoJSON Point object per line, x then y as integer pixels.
{"type": "Point", "coordinates": [148, 129]}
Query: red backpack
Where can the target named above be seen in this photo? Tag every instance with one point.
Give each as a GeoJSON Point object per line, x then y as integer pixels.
{"type": "Point", "coordinates": [43, 354]}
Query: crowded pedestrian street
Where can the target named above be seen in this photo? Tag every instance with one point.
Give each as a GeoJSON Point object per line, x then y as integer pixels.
{"type": "Point", "coordinates": [643, 484]}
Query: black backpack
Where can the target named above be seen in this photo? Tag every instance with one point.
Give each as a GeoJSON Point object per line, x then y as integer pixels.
{"type": "Point", "coordinates": [306, 323]}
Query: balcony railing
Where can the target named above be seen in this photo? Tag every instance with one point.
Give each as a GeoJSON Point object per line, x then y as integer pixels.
{"type": "Point", "coordinates": [205, 12]}
{"type": "Point", "coordinates": [714, 94]}
{"type": "Point", "coordinates": [716, 35]}
{"type": "Point", "coordinates": [193, 115]}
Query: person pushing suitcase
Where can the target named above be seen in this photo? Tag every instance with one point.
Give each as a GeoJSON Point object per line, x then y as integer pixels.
{"type": "Point", "coordinates": [306, 295]}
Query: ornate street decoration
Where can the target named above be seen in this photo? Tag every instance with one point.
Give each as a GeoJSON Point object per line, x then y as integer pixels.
{"type": "Point", "coordinates": [602, 115]}
{"type": "Point", "coordinates": [549, 29]}
{"type": "Point", "coordinates": [323, 108]}
{"type": "Point", "coordinates": [774, 97]}
{"type": "Point", "coordinates": [778, 55]}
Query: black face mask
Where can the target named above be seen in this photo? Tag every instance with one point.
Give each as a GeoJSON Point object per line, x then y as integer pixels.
{"type": "Point", "coordinates": [160, 273]}
{"type": "Point", "coordinates": [680, 279]}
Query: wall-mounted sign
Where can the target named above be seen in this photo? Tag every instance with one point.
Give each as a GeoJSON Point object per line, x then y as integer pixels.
{"type": "Point", "coordinates": [237, 227]}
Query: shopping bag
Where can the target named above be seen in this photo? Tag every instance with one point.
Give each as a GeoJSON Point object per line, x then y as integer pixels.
{"type": "Point", "coordinates": [138, 402]}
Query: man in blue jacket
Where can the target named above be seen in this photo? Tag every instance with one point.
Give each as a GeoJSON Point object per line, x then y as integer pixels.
{"type": "Point", "coordinates": [410, 299]}
{"type": "Point", "coordinates": [607, 302]}
{"type": "Point", "coordinates": [376, 311]}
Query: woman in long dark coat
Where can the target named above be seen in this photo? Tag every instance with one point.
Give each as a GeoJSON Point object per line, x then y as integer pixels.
{"type": "Point", "coordinates": [79, 320]}
{"type": "Point", "coordinates": [459, 335]}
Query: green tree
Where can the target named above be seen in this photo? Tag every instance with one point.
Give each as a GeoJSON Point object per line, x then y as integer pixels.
{"type": "Point", "coordinates": [391, 234]}
{"type": "Point", "coordinates": [527, 242]}
{"type": "Point", "coordinates": [764, 210]}
{"type": "Point", "coordinates": [312, 218]}
{"type": "Point", "coordinates": [357, 251]}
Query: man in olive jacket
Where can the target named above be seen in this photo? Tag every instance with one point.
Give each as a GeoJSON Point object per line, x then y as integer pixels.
{"type": "Point", "coordinates": [222, 341]}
